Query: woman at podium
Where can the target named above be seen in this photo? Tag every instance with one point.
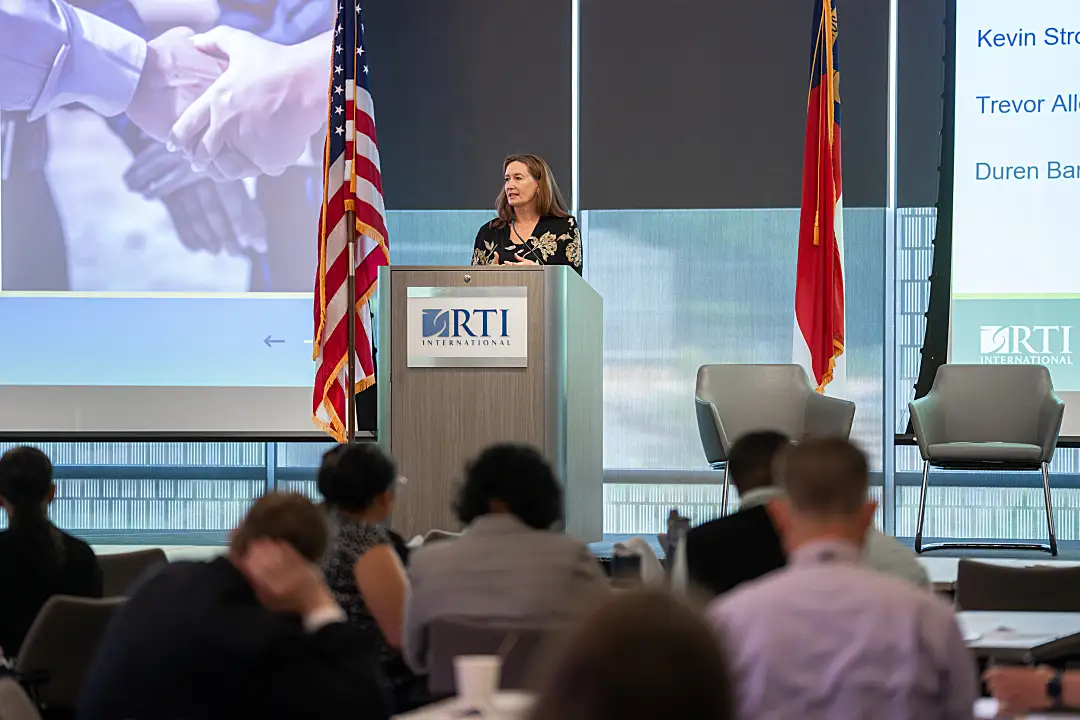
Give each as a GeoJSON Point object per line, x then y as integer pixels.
{"type": "Point", "coordinates": [533, 225]}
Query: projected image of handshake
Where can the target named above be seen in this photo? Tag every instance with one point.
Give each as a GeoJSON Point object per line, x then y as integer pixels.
{"type": "Point", "coordinates": [256, 115]}
{"type": "Point", "coordinates": [235, 104]}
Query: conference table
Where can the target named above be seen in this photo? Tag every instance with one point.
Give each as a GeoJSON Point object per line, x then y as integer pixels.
{"type": "Point", "coordinates": [1020, 637]}
{"type": "Point", "coordinates": [1011, 637]}
{"type": "Point", "coordinates": [516, 706]}
{"type": "Point", "coordinates": [987, 708]}
{"type": "Point", "coordinates": [506, 705]}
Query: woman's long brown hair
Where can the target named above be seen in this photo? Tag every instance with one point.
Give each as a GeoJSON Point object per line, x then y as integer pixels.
{"type": "Point", "coordinates": [550, 201]}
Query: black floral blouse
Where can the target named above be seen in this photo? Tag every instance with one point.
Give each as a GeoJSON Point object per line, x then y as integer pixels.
{"type": "Point", "coordinates": [555, 241]}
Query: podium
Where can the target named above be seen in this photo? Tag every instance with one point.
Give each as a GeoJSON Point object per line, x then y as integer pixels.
{"type": "Point", "coordinates": [473, 356]}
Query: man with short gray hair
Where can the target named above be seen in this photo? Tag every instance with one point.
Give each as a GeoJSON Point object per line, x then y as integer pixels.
{"type": "Point", "coordinates": [826, 637]}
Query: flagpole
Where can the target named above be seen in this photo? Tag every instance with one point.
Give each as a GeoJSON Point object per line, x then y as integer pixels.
{"type": "Point", "coordinates": [350, 377]}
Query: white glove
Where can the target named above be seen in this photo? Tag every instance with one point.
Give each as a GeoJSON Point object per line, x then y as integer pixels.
{"type": "Point", "coordinates": [260, 115]}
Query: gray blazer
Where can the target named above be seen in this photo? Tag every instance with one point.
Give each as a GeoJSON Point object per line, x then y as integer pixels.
{"type": "Point", "coordinates": [502, 572]}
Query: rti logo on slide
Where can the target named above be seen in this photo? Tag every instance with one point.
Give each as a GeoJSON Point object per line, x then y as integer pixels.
{"type": "Point", "coordinates": [1026, 344]}
{"type": "Point", "coordinates": [459, 326]}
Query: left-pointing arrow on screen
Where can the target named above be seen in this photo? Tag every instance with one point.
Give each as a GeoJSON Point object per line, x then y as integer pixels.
{"type": "Point", "coordinates": [269, 341]}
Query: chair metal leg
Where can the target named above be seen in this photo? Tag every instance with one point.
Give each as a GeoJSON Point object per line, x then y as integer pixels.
{"type": "Point", "coordinates": [1051, 548]}
{"type": "Point", "coordinates": [724, 492]}
{"type": "Point", "coordinates": [922, 506]}
{"type": "Point", "coordinates": [1049, 509]}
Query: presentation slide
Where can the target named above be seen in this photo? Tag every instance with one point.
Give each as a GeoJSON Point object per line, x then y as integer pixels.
{"type": "Point", "coordinates": [158, 216]}
{"type": "Point", "coordinates": [1016, 194]}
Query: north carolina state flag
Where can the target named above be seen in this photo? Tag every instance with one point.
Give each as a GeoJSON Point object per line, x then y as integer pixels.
{"type": "Point", "coordinates": [819, 285]}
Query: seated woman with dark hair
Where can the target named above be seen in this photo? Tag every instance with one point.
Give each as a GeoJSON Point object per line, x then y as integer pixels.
{"type": "Point", "coordinates": [362, 566]}
{"type": "Point", "coordinates": [37, 560]}
{"type": "Point", "coordinates": [509, 568]}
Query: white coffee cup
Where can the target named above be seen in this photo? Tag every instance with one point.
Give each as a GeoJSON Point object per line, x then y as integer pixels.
{"type": "Point", "coordinates": [477, 679]}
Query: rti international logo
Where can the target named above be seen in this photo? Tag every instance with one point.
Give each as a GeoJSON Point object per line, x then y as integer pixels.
{"type": "Point", "coordinates": [1026, 344]}
{"type": "Point", "coordinates": [484, 327]}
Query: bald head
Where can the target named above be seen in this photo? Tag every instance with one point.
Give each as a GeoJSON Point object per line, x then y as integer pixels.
{"type": "Point", "coordinates": [824, 478]}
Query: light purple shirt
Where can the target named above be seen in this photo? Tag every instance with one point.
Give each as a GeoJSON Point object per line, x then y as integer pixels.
{"type": "Point", "coordinates": [828, 638]}
{"type": "Point", "coordinates": [53, 54]}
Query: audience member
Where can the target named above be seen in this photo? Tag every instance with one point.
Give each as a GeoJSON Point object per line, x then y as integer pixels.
{"type": "Point", "coordinates": [508, 567]}
{"type": "Point", "coordinates": [1022, 690]}
{"type": "Point", "coordinates": [723, 553]}
{"type": "Point", "coordinates": [253, 634]}
{"type": "Point", "coordinates": [827, 637]}
{"type": "Point", "coordinates": [362, 566]}
{"type": "Point", "coordinates": [640, 656]}
{"type": "Point", "coordinates": [726, 552]}
{"type": "Point", "coordinates": [37, 560]}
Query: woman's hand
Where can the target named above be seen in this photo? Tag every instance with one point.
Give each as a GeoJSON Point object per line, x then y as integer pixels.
{"type": "Point", "coordinates": [518, 260]}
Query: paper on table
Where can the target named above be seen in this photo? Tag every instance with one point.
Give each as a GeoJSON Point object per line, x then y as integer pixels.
{"type": "Point", "coordinates": [1009, 638]}
{"type": "Point", "coordinates": [987, 709]}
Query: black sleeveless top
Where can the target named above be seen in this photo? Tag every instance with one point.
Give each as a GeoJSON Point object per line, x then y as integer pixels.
{"type": "Point", "coordinates": [24, 587]}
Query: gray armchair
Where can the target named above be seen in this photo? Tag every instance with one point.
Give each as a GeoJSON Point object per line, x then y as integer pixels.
{"type": "Point", "coordinates": [989, 587]}
{"type": "Point", "coordinates": [733, 400]}
{"type": "Point", "coordinates": [121, 571]}
{"type": "Point", "coordinates": [522, 647]}
{"type": "Point", "coordinates": [59, 647]}
{"type": "Point", "coordinates": [988, 417]}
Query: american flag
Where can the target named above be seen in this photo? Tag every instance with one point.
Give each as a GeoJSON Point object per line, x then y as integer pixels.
{"type": "Point", "coordinates": [351, 181]}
